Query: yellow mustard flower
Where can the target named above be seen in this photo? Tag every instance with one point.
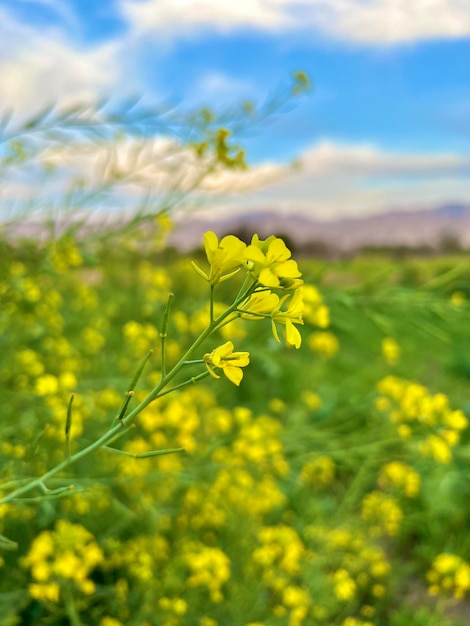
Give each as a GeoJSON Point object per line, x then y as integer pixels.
{"type": "Point", "coordinates": [449, 574]}
{"type": "Point", "coordinates": [401, 475]}
{"type": "Point", "coordinates": [209, 567]}
{"type": "Point", "coordinates": [344, 586]}
{"type": "Point", "coordinates": [229, 361]}
{"type": "Point", "coordinates": [324, 343]}
{"type": "Point", "coordinates": [457, 298]}
{"type": "Point", "coordinates": [391, 350]}
{"type": "Point", "coordinates": [225, 257]}
{"type": "Point", "coordinates": [293, 315]}
{"type": "Point", "coordinates": [259, 305]}
{"type": "Point", "coordinates": [270, 263]}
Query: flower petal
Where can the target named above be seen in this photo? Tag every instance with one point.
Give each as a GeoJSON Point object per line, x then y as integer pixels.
{"type": "Point", "coordinates": [293, 337]}
{"type": "Point", "coordinates": [234, 374]}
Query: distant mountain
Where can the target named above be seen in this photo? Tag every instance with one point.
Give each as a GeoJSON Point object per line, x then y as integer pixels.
{"type": "Point", "coordinates": [426, 228]}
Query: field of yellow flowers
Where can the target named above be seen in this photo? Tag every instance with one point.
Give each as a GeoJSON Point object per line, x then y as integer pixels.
{"type": "Point", "coordinates": [320, 483]}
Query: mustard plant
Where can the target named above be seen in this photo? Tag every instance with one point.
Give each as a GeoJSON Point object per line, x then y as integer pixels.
{"type": "Point", "coordinates": [271, 288]}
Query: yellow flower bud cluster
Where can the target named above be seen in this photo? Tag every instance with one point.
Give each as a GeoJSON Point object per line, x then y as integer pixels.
{"type": "Point", "coordinates": [325, 344]}
{"type": "Point", "coordinates": [175, 606]}
{"type": "Point", "coordinates": [344, 586]}
{"type": "Point", "coordinates": [155, 282]}
{"type": "Point", "coordinates": [391, 351]}
{"type": "Point", "coordinates": [248, 493]}
{"type": "Point", "coordinates": [29, 363]}
{"type": "Point", "coordinates": [65, 255]}
{"type": "Point", "coordinates": [279, 559]}
{"type": "Point", "coordinates": [318, 472]}
{"type": "Point", "coordinates": [176, 421]}
{"type": "Point", "coordinates": [355, 569]}
{"type": "Point", "coordinates": [92, 340]}
{"type": "Point", "coordinates": [383, 512]}
{"type": "Point", "coordinates": [458, 299]}
{"type": "Point", "coordinates": [416, 413]}
{"type": "Point", "coordinates": [315, 310]}
{"type": "Point", "coordinates": [400, 477]}
{"type": "Point", "coordinates": [449, 575]}
{"type": "Point", "coordinates": [67, 554]}
{"type": "Point", "coordinates": [209, 567]}
{"type": "Point", "coordinates": [140, 337]}
{"type": "Point", "coordinates": [142, 557]}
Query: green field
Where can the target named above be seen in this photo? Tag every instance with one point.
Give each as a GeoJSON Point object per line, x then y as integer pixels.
{"type": "Point", "coordinates": [330, 488]}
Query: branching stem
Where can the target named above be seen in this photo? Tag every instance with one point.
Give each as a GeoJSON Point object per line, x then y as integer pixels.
{"type": "Point", "coordinates": [158, 391]}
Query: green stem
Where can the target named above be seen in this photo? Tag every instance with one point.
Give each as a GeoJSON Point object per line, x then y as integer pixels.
{"type": "Point", "coordinates": [153, 395]}
{"type": "Point", "coordinates": [186, 382]}
{"type": "Point", "coordinates": [212, 304]}
{"type": "Point", "coordinates": [71, 609]}
{"type": "Point", "coordinates": [248, 277]}
{"type": "Point", "coordinates": [163, 334]}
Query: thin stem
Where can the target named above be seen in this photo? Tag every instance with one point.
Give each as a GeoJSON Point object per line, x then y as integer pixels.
{"type": "Point", "coordinates": [36, 482]}
{"type": "Point", "coordinates": [143, 455]}
{"type": "Point", "coordinates": [212, 304]}
{"type": "Point", "coordinates": [71, 609]}
{"type": "Point", "coordinates": [68, 427]}
{"type": "Point", "coordinates": [194, 379]}
{"type": "Point", "coordinates": [244, 286]}
{"type": "Point", "coordinates": [163, 334]}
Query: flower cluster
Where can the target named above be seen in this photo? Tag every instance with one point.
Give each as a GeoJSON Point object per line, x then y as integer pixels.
{"type": "Point", "coordinates": [383, 513]}
{"type": "Point", "coordinates": [324, 343]}
{"type": "Point", "coordinates": [318, 472]}
{"type": "Point", "coordinates": [401, 477]}
{"type": "Point", "coordinates": [208, 568]}
{"type": "Point", "coordinates": [449, 575]}
{"type": "Point", "coordinates": [270, 268]}
{"type": "Point", "coordinates": [357, 569]}
{"type": "Point", "coordinates": [418, 414]}
{"type": "Point", "coordinates": [280, 557]}
{"type": "Point", "coordinates": [390, 350]}
{"type": "Point", "coordinates": [67, 554]}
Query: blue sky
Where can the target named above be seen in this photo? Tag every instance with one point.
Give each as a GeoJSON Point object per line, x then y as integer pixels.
{"type": "Point", "coordinates": [387, 125]}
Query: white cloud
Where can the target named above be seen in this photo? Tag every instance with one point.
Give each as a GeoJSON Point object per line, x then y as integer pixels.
{"type": "Point", "coordinates": [41, 67]}
{"type": "Point", "coordinates": [349, 179]}
{"type": "Point", "coordinates": [374, 22]}
{"type": "Point", "coordinates": [328, 158]}
{"type": "Point", "coordinates": [160, 164]}
{"type": "Point", "coordinates": [332, 179]}
{"type": "Point", "coordinates": [173, 17]}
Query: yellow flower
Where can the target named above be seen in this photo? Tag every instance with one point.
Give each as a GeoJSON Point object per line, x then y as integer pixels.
{"type": "Point", "coordinates": [390, 350]}
{"type": "Point", "coordinates": [225, 257]}
{"type": "Point", "coordinates": [288, 318]}
{"type": "Point", "coordinates": [457, 298]}
{"type": "Point", "coordinates": [323, 343]}
{"type": "Point", "coordinates": [229, 361]}
{"type": "Point", "coordinates": [344, 586]}
{"type": "Point", "coordinates": [270, 263]}
{"type": "Point", "coordinates": [259, 305]}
